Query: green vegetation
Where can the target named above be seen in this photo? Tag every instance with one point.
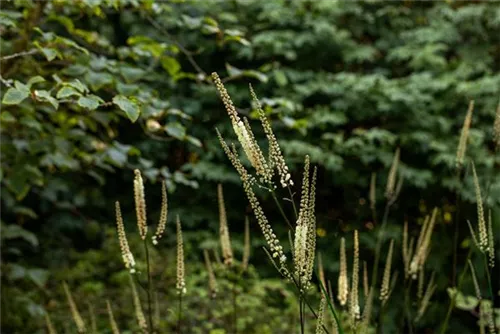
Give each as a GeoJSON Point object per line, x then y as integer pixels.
{"type": "Point", "coordinates": [93, 90]}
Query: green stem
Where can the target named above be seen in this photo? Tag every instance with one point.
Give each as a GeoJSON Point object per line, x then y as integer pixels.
{"type": "Point", "coordinates": [179, 314]}
{"type": "Point", "coordinates": [408, 307]}
{"type": "Point", "coordinates": [456, 234]}
{"type": "Point", "coordinates": [301, 313]}
{"type": "Point", "coordinates": [444, 327]}
{"type": "Point", "coordinates": [235, 327]}
{"type": "Point", "coordinates": [492, 296]}
{"type": "Point", "coordinates": [150, 313]}
{"type": "Point", "coordinates": [303, 297]}
{"type": "Point", "coordinates": [378, 246]}
{"type": "Point", "coordinates": [293, 202]}
{"type": "Point", "coordinates": [273, 194]}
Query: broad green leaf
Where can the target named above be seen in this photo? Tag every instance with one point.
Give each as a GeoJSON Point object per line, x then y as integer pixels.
{"type": "Point", "coordinates": [17, 232]}
{"type": "Point", "coordinates": [176, 130]}
{"type": "Point", "coordinates": [67, 91]}
{"type": "Point", "coordinates": [130, 108]}
{"type": "Point", "coordinates": [35, 80]}
{"type": "Point", "coordinates": [193, 140]}
{"type": "Point", "coordinates": [14, 96]}
{"type": "Point", "coordinates": [78, 85]}
{"type": "Point", "coordinates": [15, 272]}
{"type": "Point", "coordinates": [50, 53]}
{"type": "Point", "coordinates": [44, 95]}
{"type": "Point", "coordinates": [38, 276]}
{"type": "Point", "coordinates": [126, 89]}
{"type": "Point", "coordinates": [7, 117]}
{"type": "Point", "coordinates": [97, 80]}
{"type": "Point", "coordinates": [132, 74]}
{"type": "Point", "coordinates": [171, 65]}
{"type": "Point", "coordinates": [90, 102]}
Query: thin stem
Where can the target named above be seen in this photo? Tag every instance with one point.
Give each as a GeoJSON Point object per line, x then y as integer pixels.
{"type": "Point", "coordinates": [235, 324]}
{"type": "Point", "coordinates": [273, 194]}
{"type": "Point", "coordinates": [490, 287]}
{"type": "Point", "coordinates": [456, 232]}
{"type": "Point", "coordinates": [181, 47]}
{"type": "Point", "coordinates": [444, 327]}
{"type": "Point", "coordinates": [378, 246]}
{"type": "Point", "coordinates": [301, 311]}
{"type": "Point", "coordinates": [301, 295]}
{"type": "Point", "coordinates": [293, 202]}
{"type": "Point", "coordinates": [179, 316]}
{"type": "Point", "coordinates": [20, 54]}
{"type": "Point", "coordinates": [150, 313]}
{"type": "Point", "coordinates": [408, 306]}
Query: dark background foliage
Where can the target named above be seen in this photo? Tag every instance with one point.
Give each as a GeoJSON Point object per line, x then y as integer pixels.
{"type": "Point", "coordinates": [95, 89]}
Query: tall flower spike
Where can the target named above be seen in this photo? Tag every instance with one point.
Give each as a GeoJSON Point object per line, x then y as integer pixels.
{"type": "Point", "coordinates": [404, 248]}
{"type": "Point", "coordinates": [373, 190]}
{"type": "Point", "coordinates": [212, 283]}
{"type": "Point", "coordinates": [366, 287]}
{"type": "Point", "coordinates": [311, 230]}
{"type": "Point", "coordinates": [431, 287]}
{"type": "Point", "coordinates": [424, 303]}
{"type": "Point", "coordinates": [474, 280]}
{"type": "Point", "coordinates": [247, 180]}
{"type": "Point", "coordinates": [276, 158]}
{"type": "Point", "coordinates": [246, 248]}
{"type": "Point", "coordinates": [128, 257]}
{"type": "Point", "coordinates": [112, 321]}
{"type": "Point", "coordinates": [391, 179]}
{"type": "Point", "coordinates": [225, 241]}
{"type": "Point", "coordinates": [496, 128]}
{"type": "Point", "coordinates": [423, 245]}
{"type": "Point", "coordinates": [48, 323]}
{"type": "Point", "coordinates": [243, 132]}
{"type": "Point", "coordinates": [483, 235]}
{"type": "Point", "coordinates": [367, 311]}
{"type": "Point", "coordinates": [163, 214]}
{"type": "Point", "coordinates": [343, 284]}
{"type": "Point", "coordinates": [181, 283]}
{"type": "Point", "coordinates": [491, 242]}
{"type": "Point", "coordinates": [321, 315]}
{"type": "Point", "coordinates": [140, 204]}
{"type": "Point", "coordinates": [473, 234]}
{"type": "Point", "coordinates": [486, 309]}
{"type": "Point", "coordinates": [354, 307]}
{"type": "Point", "coordinates": [384, 291]}
{"type": "Point", "coordinates": [420, 284]}
{"type": "Point", "coordinates": [321, 271]}
{"type": "Point", "coordinates": [302, 232]}
{"type": "Point", "coordinates": [139, 314]}
{"type": "Point", "coordinates": [262, 166]}
{"type": "Point", "coordinates": [77, 318]}
{"type": "Point", "coordinates": [464, 135]}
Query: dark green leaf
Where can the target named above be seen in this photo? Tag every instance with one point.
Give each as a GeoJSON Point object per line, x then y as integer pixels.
{"type": "Point", "coordinates": [176, 130]}
{"type": "Point", "coordinates": [130, 108]}
{"type": "Point", "coordinates": [66, 92]}
{"type": "Point", "coordinates": [14, 96]}
{"type": "Point", "coordinates": [90, 102]}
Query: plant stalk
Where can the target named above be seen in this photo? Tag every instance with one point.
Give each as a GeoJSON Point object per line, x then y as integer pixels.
{"type": "Point", "coordinates": [149, 287]}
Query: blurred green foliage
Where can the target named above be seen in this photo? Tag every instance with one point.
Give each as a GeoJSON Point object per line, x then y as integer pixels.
{"type": "Point", "coordinates": [94, 89]}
